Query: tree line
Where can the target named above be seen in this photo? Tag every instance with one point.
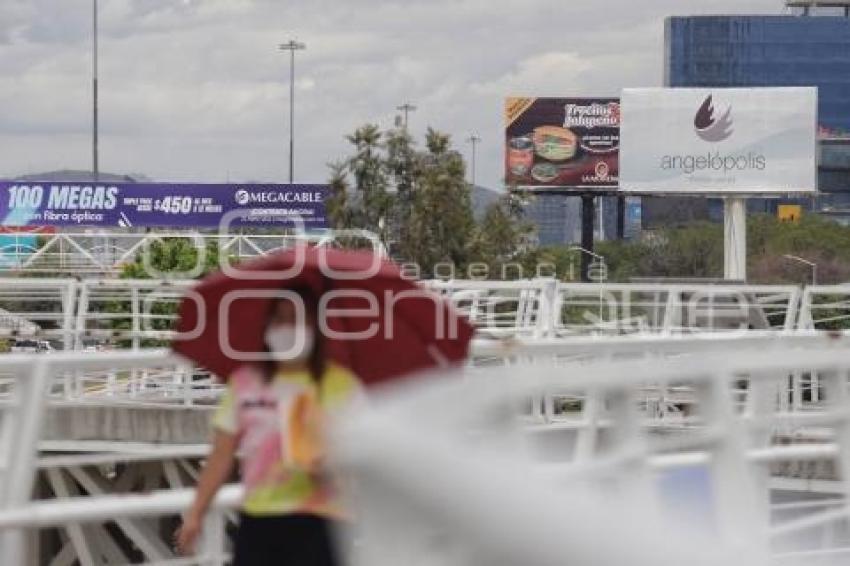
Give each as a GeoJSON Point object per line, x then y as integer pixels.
{"type": "Point", "coordinates": [418, 202]}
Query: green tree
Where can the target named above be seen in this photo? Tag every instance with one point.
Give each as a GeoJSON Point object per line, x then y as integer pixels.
{"type": "Point", "coordinates": [169, 255]}
{"type": "Point", "coordinates": [419, 202]}
{"type": "Point", "coordinates": [501, 238]}
{"type": "Point", "coordinates": [172, 255]}
{"type": "Point", "coordinates": [402, 169]}
{"type": "Point", "coordinates": [337, 206]}
{"type": "Point", "coordinates": [440, 222]}
{"type": "Point", "coordinates": [371, 207]}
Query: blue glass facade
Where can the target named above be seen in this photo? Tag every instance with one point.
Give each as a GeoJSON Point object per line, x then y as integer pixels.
{"type": "Point", "coordinates": [557, 218]}
{"type": "Point", "coordinates": [763, 51]}
{"type": "Point", "coordinates": [740, 51]}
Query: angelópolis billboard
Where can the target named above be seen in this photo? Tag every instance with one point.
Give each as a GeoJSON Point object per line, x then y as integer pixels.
{"type": "Point", "coordinates": [161, 204]}
{"type": "Point", "coordinates": [719, 141]}
{"type": "Point", "coordinates": [562, 143]}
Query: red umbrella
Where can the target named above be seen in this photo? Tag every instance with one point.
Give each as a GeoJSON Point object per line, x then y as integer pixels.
{"type": "Point", "coordinates": [403, 328]}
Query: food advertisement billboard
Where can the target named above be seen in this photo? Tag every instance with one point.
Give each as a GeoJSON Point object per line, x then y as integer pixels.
{"type": "Point", "coordinates": [719, 141]}
{"type": "Point", "coordinates": [562, 143]}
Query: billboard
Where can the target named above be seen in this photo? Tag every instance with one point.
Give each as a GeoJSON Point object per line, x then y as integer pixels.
{"type": "Point", "coordinates": [562, 143]}
{"type": "Point", "coordinates": [719, 141]}
{"type": "Point", "coordinates": [160, 204]}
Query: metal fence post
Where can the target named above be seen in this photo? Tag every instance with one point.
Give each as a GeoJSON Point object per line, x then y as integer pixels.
{"type": "Point", "coordinates": [546, 311]}
{"type": "Point", "coordinates": [27, 423]}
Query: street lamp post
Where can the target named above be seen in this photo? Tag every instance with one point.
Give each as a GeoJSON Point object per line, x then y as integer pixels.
{"type": "Point", "coordinates": [585, 266]}
{"type": "Point", "coordinates": [811, 264]}
{"type": "Point", "coordinates": [474, 139]}
{"type": "Point", "coordinates": [95, 164]}
{"type": "Point", "coordinates": [406, 108]}
{"type": "Point", "coordinates": [292, 46]}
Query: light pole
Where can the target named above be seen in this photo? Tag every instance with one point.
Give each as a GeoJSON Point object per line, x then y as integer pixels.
{"type": "Point", "coordinates": [406, 108]}
{"type": "Point", "coordinates": [585, 275]}
{"type": "Point", "coordinates": [95, 164]}
{"type": "Point", "coordinates": [811, 264]}
{"type": "Point", "coordinates": [474, 139]}
{"type": "Point", "coordinates": [292, 46]}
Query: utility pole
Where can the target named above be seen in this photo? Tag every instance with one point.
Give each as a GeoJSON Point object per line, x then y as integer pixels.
{"type": "Point", "coordinates": [292, 46]}
{"type": "Point", "coordinates": [587, 211]}
{"type": "Point", "coordinates": [95, 164]}
{"type": "Point", "coordinates": [474, 139]}
{"type": "Point", "coordinates": [621, 217]}
{"type": "Point", "coordinates": [406, 108]}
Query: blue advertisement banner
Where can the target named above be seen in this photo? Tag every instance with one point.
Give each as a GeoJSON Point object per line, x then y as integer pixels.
{"type": "Point", "coordinates": [188, 205]}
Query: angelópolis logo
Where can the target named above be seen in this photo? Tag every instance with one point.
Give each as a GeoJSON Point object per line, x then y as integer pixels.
{"type": "Point", "coordinates": [710, 129]}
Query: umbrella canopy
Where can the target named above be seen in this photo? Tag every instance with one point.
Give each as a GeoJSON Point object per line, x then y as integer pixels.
{"type": "Point", "coordinates": [383, 326]}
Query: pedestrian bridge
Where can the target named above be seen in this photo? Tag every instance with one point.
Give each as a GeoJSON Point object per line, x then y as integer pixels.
{"type": "Point", "coordinates": [738, 408]}
{"type": "Point", "coordinates": [573, 383]}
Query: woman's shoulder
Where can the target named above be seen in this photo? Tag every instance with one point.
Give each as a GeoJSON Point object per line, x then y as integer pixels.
{"type": "Point", "coordinates": [339, 381]}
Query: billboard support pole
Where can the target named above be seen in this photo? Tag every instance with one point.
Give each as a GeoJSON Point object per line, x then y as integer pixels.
{"type": "Point", "coordinates": [735, 238]}
{"type": "Point", "coordinates": [621, 217]}
{"type": "Point", "coordinates": [587, 216]}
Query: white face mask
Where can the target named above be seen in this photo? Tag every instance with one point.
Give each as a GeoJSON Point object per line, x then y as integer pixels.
{"type": "Point", "coordinates": [290, 342]}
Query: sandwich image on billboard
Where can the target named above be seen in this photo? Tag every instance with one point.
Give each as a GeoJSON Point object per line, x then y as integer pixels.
{"type": "Point", "coordinates": [719, 140]}
{"type": "Point", "coordinates": [562, 142]}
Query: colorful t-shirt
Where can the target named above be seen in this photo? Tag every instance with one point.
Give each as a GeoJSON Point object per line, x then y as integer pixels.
{"type": "Point", "coordinates": [280, 429]}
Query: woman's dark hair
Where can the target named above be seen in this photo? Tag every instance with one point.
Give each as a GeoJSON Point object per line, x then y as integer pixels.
{"type": "Point", "coordinates": [317, 362]}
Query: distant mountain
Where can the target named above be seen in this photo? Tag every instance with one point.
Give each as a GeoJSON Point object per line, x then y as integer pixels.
{"type": "Point", "coordinates": [77, 176]}
{"type": "Point", "coordinates": [482, 198]}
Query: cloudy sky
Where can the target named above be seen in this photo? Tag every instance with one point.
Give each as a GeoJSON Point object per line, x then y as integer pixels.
{"type": "Point", "coordinates": [195, 89]}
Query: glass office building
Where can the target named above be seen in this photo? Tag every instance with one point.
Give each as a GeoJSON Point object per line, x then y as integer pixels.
{"type": "Point", "coordinates": [741, 51]}
{"type": "Point", "coordinates": [762, 51]}
{"type": "Point", "coordinates": [556, 218]}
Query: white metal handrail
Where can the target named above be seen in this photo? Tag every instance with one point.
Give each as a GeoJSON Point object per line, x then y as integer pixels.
{"type": "Point", "coordinates": [825, 307]}
{"type": "Point", "coordinates": [410, 445]}
{"type": "Point", "coordinates": [135, 312]}
{"type": "Point", "coordinates": [547, 368]}
{"type": "Point", "coordinates": [107, 251]}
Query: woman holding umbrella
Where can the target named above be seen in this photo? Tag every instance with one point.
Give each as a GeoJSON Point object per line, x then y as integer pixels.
{"type": "Point", "coordinates": [272, 414]}
{"type": "Point", "coordinates": [273, 411]}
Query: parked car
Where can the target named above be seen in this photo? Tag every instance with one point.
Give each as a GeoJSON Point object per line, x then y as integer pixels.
{"type": "Point", "coordinates": [31, 346]}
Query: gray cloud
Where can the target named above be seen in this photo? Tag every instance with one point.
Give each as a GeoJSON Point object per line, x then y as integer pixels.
{"type": "Point", "coordinates": [195, 89]}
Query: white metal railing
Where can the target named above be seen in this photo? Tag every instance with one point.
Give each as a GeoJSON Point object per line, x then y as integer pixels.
{"type": "Point", "coordinates": [501, 308]}
{"type": "Point", "coordinates": [170, 381]}
{"type": "Point", "coordinates": [104, 252]}
{"type": "Point", "coordinates": [594, 498]}
{"type": "Point", "coordinates": [39, 308]}
{"type": "Point", "coordinates": [546, 307]}
{"type": "Point", "coordinates": [729, 392]}
{"type": "Point", "coordinates": [72, 513]}
{"type": "Point", "coordinates": [640, 308]}
{"type": "Point", "coordinates": [34, 382]}
{"type": "Point", "coordinates": [825, 307]}
{"type": "Point", "coordinates": [141, 312]}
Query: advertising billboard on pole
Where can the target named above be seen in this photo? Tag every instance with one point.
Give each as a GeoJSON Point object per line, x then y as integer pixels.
{"type": "Point", "coordinates": [161, 204]}
{"type": "Point", "coordinates": [735, 141]}
{"type": "Point", "coordinates": [562, 143]}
